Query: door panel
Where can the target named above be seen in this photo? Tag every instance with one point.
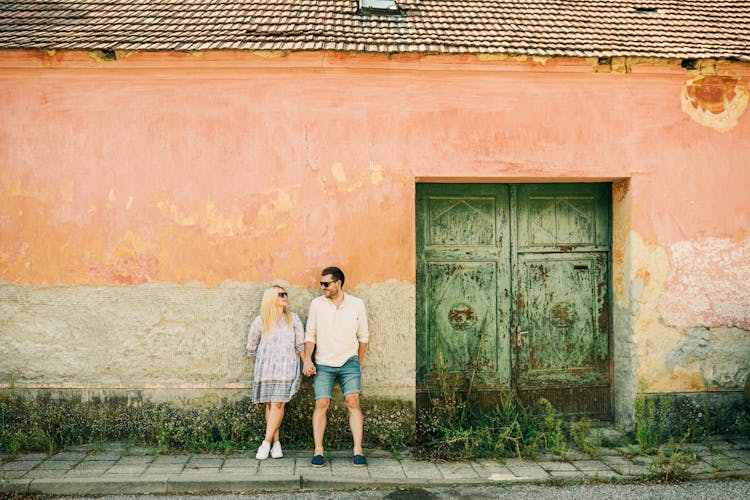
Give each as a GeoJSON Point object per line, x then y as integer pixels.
{"type": "Point", "coordinates": [461, 221]}
{"type": "Point", "coordinates": [463, 318]}
{"type": "Point", "coordinates": [463, 303]}
{"type": "Point", "coordinates": [563, 344]}
{"type": "Point", "coordinates": [562, 217]}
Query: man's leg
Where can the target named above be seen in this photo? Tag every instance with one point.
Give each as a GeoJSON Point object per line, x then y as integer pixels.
{"type": "Point", "coordinates": [323, 386]}
{"type": "Point", "coordinates": [319, 421]}
{"type": "Point", "coordinates": [351, 387]}
{"type": "Point", "coordinates": [356, 421]}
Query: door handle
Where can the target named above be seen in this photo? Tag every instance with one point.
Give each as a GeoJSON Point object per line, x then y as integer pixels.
{"type": "Point", "coordinates": [519, 335]}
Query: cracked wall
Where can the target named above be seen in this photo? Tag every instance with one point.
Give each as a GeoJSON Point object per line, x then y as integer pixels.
{"type": "Point", "coordinates": [690, 315]}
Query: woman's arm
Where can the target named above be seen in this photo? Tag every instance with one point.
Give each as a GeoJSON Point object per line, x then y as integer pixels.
{"type": "Point", "coordinates": [253, 337]}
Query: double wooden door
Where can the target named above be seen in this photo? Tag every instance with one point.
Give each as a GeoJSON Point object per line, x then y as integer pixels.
{"type": "Point", "coordinates": [513, 290]}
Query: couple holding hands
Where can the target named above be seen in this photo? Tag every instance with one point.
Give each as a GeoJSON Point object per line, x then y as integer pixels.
{"type": "Point", "coordinates": [337, 326]}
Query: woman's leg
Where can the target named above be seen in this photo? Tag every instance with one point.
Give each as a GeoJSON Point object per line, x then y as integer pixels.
{"type": "Point", "coordinates": [274, 415]}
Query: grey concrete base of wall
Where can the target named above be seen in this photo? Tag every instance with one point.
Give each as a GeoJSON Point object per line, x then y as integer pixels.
{"type": "Point", "coordinates": [706, 412]}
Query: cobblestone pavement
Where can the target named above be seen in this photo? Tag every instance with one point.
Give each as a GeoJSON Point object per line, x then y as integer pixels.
{"type": "Point", "coordinates": [114, 468]}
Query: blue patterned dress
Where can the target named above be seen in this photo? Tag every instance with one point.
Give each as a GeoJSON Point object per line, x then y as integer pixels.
{"type": "Point", "coordinates": [277, 362]}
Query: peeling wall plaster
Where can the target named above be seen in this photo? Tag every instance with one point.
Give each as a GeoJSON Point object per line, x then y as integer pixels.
{"type": "Point", "coordinates": [675, 357]}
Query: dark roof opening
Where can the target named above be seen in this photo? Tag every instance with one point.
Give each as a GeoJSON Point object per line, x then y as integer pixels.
{"type": "Point", "coordinates": [378, 7]}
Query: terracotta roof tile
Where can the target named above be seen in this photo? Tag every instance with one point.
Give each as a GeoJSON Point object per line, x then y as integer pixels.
{"type": "Point", "coordinates": [586, 28]}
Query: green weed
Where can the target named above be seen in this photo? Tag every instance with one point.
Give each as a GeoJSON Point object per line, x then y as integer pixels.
{"type": "Point", "coordinates": [651, 421]}
{"type": "Point", "coordinates": [584, 439]}
{"type": "Point", "coordinates": [454, 425]}
{"type": "Point", "coordinates": [41, 423]}
{"type": "Point", "coordinates": [671, 465]}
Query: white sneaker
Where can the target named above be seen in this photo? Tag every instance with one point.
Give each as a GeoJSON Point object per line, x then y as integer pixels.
{"type": "Point", "coordinates": [263, 450]}
{"type": "Point", "coordinates": [276, 450]}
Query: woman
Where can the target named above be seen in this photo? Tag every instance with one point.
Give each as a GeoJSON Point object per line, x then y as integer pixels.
{"type": "Point", "coordinates": [276, 340]}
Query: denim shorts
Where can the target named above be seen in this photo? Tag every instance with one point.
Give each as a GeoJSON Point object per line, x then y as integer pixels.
{"type": "Point", "coordinates": [348, 374]}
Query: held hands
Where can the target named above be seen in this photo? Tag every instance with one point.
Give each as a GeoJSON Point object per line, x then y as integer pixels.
{"type": "Point", "coordinates": [308, 368]}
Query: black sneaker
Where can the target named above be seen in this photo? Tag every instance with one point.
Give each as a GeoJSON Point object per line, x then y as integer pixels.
{"type": "Point", "coordinates": [318, 461]}
{"type": "Point", "coordinates": [359, 461]}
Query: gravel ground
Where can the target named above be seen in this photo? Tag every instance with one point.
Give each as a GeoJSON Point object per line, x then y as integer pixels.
{"type": "Point", "coordinates": [719, 490]}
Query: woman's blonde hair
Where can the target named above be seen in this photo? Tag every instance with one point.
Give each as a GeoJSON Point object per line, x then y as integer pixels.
{"type": "Point", "coordinates": [268, 312]}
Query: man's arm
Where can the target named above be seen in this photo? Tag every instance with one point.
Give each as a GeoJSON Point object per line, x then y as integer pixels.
{"type": "Point", "coordinates": [363, 334]}
{"type": "Point", "coordinates": [361, 353]}
{"type": "Point", "coordinates": [308, 367]}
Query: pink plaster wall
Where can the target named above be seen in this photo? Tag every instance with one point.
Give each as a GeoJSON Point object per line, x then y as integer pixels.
{"type": "Point", "coordinates": [176, 167]}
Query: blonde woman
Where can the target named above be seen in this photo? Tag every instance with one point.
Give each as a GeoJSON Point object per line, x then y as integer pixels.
{"type": "Point", "coordinates": [276, 340]}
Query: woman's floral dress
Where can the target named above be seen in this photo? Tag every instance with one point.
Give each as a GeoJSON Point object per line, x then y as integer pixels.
{"type": "Point", "coordinates": [277, 363]}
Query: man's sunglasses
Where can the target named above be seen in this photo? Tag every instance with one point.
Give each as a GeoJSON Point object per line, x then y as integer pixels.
{"type": "Point", "coordinates": [283, 294]}
{"type": "Point", "coordinates": [325, 284]}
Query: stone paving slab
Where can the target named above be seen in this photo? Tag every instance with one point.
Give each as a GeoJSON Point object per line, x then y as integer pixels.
{"type": "Point", "coordinates": [529, 470]}
{"type": "Point", "coordinates": [743, 455]}
{"type": "Point", "coordinates": [26, 465]}
{"type": "Point", "coordinates": [135, 461]}
{"type": "Point", "coordinates": [45, 473]}
{"type": "Point", "coordinates": [394, 471]}
{"type": "Point", "coordinates": [249, 463]}
{"type": "Point", "coordinates": [602, 475]}
{"type": "Point", "coordinates": [420, 470]}
{"type": "Point", "coordinates": [200, 471]}
{"type": "Point", "coordinates": [56, 465]}
{"type": "Point", "coordinates": [304, 468]}
{"type": "Point", "coordinates": [343, 468]}
{"type": "Point", "coordinates": [701, 467]}
{"type": "Point", "coordinates": [557, 466]}
{"type": "Point", "coordinates": [729, 464]}
{"type": "Point", "coordinates": [95, 464]}
{"type": "Point", "coordinates": [201, 461]}
{"type": "Point", "coordinates": [37, 457]}
{"type": "Point", "coordinates": [632, 470]}
{"type": "Point", "coordinates": [12, 474]}
{"type": "Point", "coordinates": [567, 475]}
{"type": "Point", "coordinates": [171, 459]}
{"type": "Point", "coordinates": [103, 456]}
{"type": "Point", "coordinates": [126, 469]}
{"type": "Point", "coordinates": [458, 470]}
{"type": "Point", "coordinates": [138, 451]}
{"type": "Point", "coordinates": [575, 455]}
{"type": "Point", "coordinates": [488, 468]}
{"type": "Point", "coordinates": [606, 452]}
{"type": "Point", "coordinates": [164, 469]}
{"type": "Point", "coordinates": [272, 463]}
{"type": "Point", "coordinates": [72, 456]}
{"type": "Point", "coordinates": [589, 465]}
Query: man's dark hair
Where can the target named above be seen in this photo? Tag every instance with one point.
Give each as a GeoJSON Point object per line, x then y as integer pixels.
{"type": "Point", "coordinates": [338, 274]}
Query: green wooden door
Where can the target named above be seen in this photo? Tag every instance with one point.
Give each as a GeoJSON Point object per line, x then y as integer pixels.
{"type": "Point", "coordinates": [464, 282]}
{"type": "Point", "coordinates": [512, 285]}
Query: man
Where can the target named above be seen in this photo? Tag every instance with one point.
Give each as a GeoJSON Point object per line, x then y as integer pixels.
{"type": "Point", "coordinates": [337, 325]}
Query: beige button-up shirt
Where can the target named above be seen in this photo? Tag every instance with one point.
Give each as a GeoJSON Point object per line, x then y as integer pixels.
{"type": "Point", "coordinates": [336, 331]}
